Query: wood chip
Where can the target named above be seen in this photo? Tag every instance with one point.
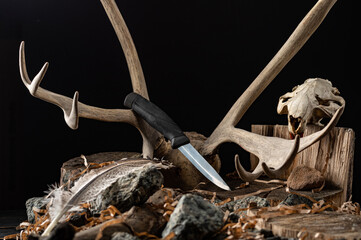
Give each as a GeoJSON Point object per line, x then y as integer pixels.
{"type": "Point", "coordinates": [147, 235]}
{"type": "Point", "coordinates": [214, 197]}
{"type": "Point", "coordinates": [223, 202]}
{"type": "Point", "coordinates": [243, 185]}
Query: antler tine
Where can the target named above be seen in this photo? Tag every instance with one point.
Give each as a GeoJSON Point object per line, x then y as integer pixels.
{"type": "Point", "coordinates": [32, 86]}
{"type": "Point", "coordinates": [294, 43]}
{"type": "Point", "coordinates": [276, 173]}
{"type": "Point", "coordinates": [243, 173]}
{"type": "Point", "coordinates": [72, 119]}
{"type": "Point", "coordinates": [71, 114]}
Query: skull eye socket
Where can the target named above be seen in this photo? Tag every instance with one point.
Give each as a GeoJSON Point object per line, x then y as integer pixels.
{"type": "Point", "coordinates": [326, 102]}
{"type": "Point", "coordinates": [283, 100]}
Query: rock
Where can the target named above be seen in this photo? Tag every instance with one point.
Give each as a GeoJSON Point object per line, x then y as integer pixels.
{"type": "Point", "coordinates": [74, 166]}
{"type": "Point", "coordinates": [194, 218]}
{"type": "Point", "coordinates": [38, 202]}
{"type": "Point", "coordinates": [303, 177]}
{"type": "Point", "coordinates": [144, 219]}
{"type": "Point", "coordinates": [159, 197]}
{"type": "Point", "coordinates": [79, 219]}
{"type": "Point", "coordinates": [133, 188]}
{"type": "Point", "coordinates": [123, 236]}
{"type": "Point", "coordinates": [293, 199]}
{"type": "Point", "coordinates": [243, 203]}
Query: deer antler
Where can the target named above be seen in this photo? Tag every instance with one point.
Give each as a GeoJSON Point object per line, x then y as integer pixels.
{"type": "Point", "coordinates": [130, 52]}
{"type": "Point", "coordinates": [73, 109]}
{"type": "Point", "coordinates": [272, 152]}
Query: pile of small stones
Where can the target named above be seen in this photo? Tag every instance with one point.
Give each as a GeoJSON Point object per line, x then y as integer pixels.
{"type": "Point", "coordinates": [156, 212]}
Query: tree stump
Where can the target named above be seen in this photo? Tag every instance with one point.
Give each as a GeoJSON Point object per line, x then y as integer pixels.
{"type": "Point", "coordinates": [332, 156]}
{"type": "Point", "coordinates": [325, 225]}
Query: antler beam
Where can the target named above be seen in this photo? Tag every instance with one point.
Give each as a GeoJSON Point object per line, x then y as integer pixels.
{"type": "Point", "coordinates": [130, 52]}
{"type": "Point", "coordinates": [226, 131]}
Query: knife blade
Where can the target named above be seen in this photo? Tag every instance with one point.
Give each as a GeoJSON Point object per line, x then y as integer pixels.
{"type": "Point", "coordinates": [160, 121]}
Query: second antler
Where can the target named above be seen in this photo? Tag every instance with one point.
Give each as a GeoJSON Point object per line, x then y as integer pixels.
{"type": "Point", "coordinates": [274, 154]}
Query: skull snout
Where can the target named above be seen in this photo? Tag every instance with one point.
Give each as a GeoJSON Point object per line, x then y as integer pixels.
{"type": "Point", "coordinates": [296, 126]}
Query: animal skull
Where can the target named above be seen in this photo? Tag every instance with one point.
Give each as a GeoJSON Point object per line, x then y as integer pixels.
{"type": "Point", "coordinates": [310, 102]}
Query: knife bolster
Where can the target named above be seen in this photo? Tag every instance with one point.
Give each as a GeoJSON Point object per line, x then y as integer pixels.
{"type": "Point", "coordinates": [176, 142]}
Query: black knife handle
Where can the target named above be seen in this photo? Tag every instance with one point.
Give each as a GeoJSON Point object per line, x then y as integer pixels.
{"type": "Point", "coordinates": [156, 118]}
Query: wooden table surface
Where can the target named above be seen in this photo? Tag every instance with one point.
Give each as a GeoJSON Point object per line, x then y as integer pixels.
{"type": "Point", "coordinates": [9, 220]}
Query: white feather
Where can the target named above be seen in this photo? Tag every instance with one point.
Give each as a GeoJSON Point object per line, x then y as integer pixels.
{"type": "Point", "coordinates": [84, 190]}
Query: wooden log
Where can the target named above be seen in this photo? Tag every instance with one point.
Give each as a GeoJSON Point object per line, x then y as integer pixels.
{"type": "Point", "coordinates": [325, 225]}
{"type": "Point", "coordinates": [332, 156]}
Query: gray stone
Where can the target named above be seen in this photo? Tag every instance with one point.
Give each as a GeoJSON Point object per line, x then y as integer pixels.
{"type": "Point", "coordinates": [194, 218]}
{"type": "Point", "coordinates": [38, 202]}
{"type": "Point", "coordinates": [293, 199]}
{"type": "Point", "coordinates": [123, 236]}
{"type": "Point", "coordinates": [131, 189]}
{"type": "Point", "coordinates": [243, 203]}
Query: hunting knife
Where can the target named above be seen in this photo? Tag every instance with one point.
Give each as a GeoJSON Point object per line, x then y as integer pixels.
{"type": "Point", "coordinates": [160, 121]}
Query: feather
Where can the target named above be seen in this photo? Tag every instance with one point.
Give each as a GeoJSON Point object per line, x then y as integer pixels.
{"type": "Point", "coordinates": [86, 189]}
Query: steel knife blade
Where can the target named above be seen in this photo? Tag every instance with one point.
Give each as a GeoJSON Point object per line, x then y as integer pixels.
{"type": "Point", "coordinates": [160, 121]}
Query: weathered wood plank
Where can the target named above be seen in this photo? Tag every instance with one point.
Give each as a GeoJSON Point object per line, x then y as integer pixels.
{"type": "Point", "coordinates": [325, 225]}
{"type": "Point", "coordinates": [332, 155]}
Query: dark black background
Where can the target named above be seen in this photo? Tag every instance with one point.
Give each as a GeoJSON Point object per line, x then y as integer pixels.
{"type": "Point", "coordinates": [198, 57]}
